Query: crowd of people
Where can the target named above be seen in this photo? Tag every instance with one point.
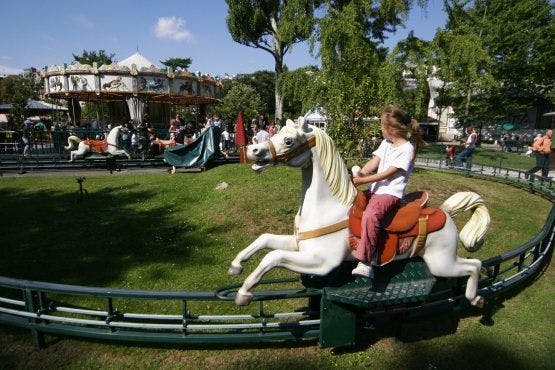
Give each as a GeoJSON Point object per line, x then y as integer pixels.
{"type": "Point", "coordinates": [261, 130]}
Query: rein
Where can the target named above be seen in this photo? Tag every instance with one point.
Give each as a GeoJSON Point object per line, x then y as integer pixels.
{"type": "Point", "coordinates": [315, 233]}
{"type": "Point", "coordinates": [286, 157]}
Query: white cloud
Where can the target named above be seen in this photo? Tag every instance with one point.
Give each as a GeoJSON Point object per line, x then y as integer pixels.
{"type": "Point", "coordinates": [5, 71]}
{"type": "Point", "coordinates": [172, 28]}
{"type": "Point", "coordinates": [81, 21]}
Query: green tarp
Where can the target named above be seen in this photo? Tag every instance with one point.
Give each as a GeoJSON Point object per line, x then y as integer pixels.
{"type": "Point", "coordinates": [196, 154]}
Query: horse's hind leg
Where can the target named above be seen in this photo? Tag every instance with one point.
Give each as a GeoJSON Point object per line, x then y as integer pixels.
{"type": "Point", "coordinates": [301, 262]}
{"type": "Point", "coordinates": [457, 268]}
{"type": "Point", "coordinates": [272, 241]}
{"type": "Point", "coordinates": [80, 151]}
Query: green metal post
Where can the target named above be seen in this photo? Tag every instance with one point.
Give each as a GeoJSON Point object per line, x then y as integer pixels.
{"type": "Point", "coordinates": [337, 324]}
{"type": "Point", "coordinates": [31, 306]}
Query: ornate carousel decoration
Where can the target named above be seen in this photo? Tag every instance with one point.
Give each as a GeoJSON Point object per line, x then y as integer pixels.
{"type": "Point", "coordinates": [135, 80]}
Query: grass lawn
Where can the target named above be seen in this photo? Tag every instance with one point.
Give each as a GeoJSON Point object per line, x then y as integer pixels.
{"type": "Point", "coordinates": [155, 231]}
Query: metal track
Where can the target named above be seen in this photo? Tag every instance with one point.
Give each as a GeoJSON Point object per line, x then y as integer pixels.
{"type": "Point", "coordinates": [44, 308]}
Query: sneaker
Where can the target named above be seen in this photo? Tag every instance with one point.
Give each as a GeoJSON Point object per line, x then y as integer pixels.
{"type": "Point", "coordinates": [363, 270]}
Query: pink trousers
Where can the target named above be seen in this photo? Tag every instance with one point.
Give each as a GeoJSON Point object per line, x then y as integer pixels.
{"type": "Point", "coordinates": [379, 206]}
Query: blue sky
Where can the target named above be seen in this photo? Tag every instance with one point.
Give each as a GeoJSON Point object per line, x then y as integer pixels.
{"type": "Point", "coordinates": [39, 33]}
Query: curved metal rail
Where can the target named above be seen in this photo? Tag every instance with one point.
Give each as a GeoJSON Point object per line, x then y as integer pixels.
{"type": "Point", "coordinates": [44, 308]}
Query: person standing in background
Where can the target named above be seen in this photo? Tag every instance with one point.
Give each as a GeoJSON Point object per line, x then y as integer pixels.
{"type": "Point", "coordinates": [542, 149]}
{"type": "Point", "coordinates": [470, 144]}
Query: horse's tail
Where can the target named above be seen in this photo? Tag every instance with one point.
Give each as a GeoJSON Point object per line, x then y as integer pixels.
{"type": "Point", "coordinates": [71, 142]}
{"type": "Point", "coordinates": [472, 234]}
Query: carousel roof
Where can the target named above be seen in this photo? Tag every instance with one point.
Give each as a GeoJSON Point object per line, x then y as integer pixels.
{"type": "Point", "coordinates": [34, 105]}
{"type": "Point", "coordinates": [137, 59]}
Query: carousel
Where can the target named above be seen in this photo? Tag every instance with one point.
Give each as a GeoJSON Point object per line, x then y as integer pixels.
{"type": "Point", "coordinates": [133, 89]}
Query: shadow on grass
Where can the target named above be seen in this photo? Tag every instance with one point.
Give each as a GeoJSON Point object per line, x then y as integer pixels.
{"type": "Point", "coordinates": [51, 236]}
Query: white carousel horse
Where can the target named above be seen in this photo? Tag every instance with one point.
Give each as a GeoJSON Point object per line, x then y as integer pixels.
{"type": "Point", "coordinates": [98, 146]}
{"type": "Point", "coordinates": [327, 196]}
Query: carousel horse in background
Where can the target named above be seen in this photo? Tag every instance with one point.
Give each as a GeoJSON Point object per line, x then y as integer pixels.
{"type": "Point", "coordinates": [107, 146]}
{"type": "Point", "coordinates": [159, 145]}
{"type": "Point", "coordinates": [321, 240]}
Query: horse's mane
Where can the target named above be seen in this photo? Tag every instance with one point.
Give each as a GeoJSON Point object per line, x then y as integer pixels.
{"type": "Point", "coordinates": [335, 170]}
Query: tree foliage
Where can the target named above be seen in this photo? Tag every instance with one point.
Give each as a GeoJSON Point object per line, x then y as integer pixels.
{"type": "Point", "coordinates": [89, 57]}
{"type": "Point", "coordinates": [17, 90]}
{"type": "Point", "coordinates": [411, 65]}
{"type": "Point", "coordinates": [464, 64]}
{"type": "Point", "coordinates": [177, 63]}
{"type": "Point", "coordinates": [273, 26]}
{"type": "Point", "coordinates": [241, 98]}
{"type": "Point", "coordinates": [518, 37]}
{"type": "Point", "coordinates": [354, 71]}
{"type": "Point", "coordinates": [300, 90]}
{"type": "Point", "coordinates": [265, 85]}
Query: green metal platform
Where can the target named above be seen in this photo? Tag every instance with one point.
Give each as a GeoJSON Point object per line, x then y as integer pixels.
{"type": "Point", "coordinates": [402, 282]}
{"type": "Point", "coordinates": [397, 283]}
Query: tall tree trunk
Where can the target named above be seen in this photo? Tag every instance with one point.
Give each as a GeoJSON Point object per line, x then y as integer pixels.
{"type": "Point", "coordinates": [279, 99]}
{"type": "Point", "coordinates": [278, 57]}
{"type": "Point", "coordinates": [469, 92]}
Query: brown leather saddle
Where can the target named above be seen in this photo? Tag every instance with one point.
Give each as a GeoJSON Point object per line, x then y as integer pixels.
{"type": "Point", "coordinates": [412, 220]}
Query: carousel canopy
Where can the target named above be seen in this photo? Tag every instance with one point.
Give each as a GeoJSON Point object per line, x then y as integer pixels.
{"type": "Point", "coordinates": [34, 105]}
{"type": "Point", "coordinates": [318, 114]}
{"type": "Point", "coordinates": [137, 59]}
{"type": "Point", "coordinates": [134, 76]}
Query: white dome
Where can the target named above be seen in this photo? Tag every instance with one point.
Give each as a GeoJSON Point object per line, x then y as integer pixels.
{"type": "Point", "coordinates": [137, 59]}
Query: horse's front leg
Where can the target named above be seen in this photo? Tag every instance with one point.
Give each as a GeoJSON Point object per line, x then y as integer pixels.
{"type": "Point", "coordinates": [272, 241]}
{"type": "Point", "coordinates": [120, 152]}
{"type": "Point", "coordinates": [301, 262]}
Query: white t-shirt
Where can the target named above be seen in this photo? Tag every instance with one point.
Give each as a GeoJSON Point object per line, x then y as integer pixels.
{"type": "Point", "coordinates": [225, 135]}
{"type": "Point", "coordinates": [399, 157]}
{"type": "Point", "coordinates": [471, 140]}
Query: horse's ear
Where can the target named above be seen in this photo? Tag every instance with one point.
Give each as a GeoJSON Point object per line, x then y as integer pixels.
{"type": "Point", "coordinates": [289, 122]}
{"type": "Point", "coordinates": [303, 124]}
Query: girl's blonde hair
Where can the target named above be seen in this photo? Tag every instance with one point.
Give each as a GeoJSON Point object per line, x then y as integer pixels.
{"type": "Point", "coordinates": [398, 123]}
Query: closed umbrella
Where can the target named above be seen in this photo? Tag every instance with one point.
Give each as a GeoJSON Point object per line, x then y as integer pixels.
{"type": "Point", "coordinates": [240, 134]}
{"type": "Point", "coordinates": [241, 138]}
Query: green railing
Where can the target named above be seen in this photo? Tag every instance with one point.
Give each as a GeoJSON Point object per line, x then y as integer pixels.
{"type": "Point", "coordinates": [50, 142]}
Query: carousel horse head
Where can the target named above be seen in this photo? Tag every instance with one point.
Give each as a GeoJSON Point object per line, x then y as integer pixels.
{"type": "Point", "coordinates": [290, 146]}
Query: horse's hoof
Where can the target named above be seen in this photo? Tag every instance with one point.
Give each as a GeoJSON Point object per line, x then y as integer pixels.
{"type": "Point", "coordinates": [243, 299]}
{"type": "Point", "coordinates": [235, 271]}
{"type": "Point", "coordinates": [478, 302]}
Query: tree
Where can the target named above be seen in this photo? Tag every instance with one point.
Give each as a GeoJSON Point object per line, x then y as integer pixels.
{"type": "Point", "coordinates": [89, 57]}
{"type": "Point", "coordinates": [17, 90]}
{"type": "Point", "coordinates": [518, 37]}
{"type": "Point", "coordinates": [239, 98]}
{"type": "Point", "coordinates": [464, 65]}
{"type": "Point", "coordinates": [411, 64]}
{"type": "Point", "coordinates": [177, 63]}
{"type": "Point", "coordinates": [300, 90]}
{"type": "Point", "coordinates": [354, 66]}
{"type": "Point", "coordinates": [264, 84]}
{"type": "Point", "coordinates": [273, 26]}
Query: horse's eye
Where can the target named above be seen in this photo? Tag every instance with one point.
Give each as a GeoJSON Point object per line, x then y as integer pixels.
{"type": "Point", "coordinates": [288, 141]}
